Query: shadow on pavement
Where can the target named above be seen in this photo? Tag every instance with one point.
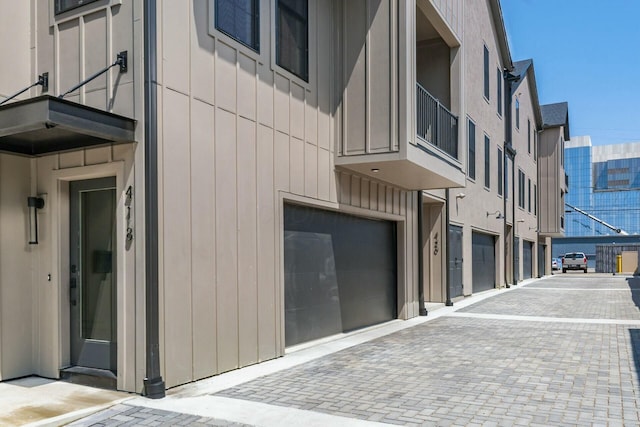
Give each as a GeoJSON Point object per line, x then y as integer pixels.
{"type": "Point", "coordinates": [634, 334]}
{"type": "Point", "coordinates": [634, 286]}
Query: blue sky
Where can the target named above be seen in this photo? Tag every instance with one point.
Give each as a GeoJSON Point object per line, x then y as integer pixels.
{"type": "Point", "coordinates": [585, 52]}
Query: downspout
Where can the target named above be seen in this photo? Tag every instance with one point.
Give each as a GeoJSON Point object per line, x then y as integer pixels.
{"type": "Point", "coordinates": [154, 386]}
{"type": "Point", "coordinates": [422, 310]}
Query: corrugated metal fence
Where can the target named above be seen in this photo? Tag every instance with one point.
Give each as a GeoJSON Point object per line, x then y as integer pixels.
{"type": "Point", "coordinates": [606, 256]}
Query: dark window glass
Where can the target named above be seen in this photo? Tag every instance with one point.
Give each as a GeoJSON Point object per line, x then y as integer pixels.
{"type": "Point", "coordinates": [535, 199]}
{"type": "Point", "coordinates": [517, 113]}
{"type": "Point", "coordinates": [506, 179]}
{"type": "Point", "coordinates": [486, 72]}
{"type": "Point", "coordinates": [487, 162]}
{"type": "Point", "coordinates": [529, 195]}
{"type": "Point", "coordinates": [500, 175]}
{"type": "Point", "coordinates": [64, 5]}
{"type": "Point", "coordinates": [535, 145]}
{"type": "Point", "coordinates": [472, 149]}
{"type": "Point", "coordinates": [239, 19]}
{"type": "Point", "coordinates": [499, 86]}
{"type": "Point", "coordinates": [529, 136]}
{"type": "Point", "coordinates": [521, 194]}
{"type": "Point", "coordinates": [292, 43]}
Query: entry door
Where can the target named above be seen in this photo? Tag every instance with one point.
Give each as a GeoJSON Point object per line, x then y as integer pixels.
{"type": "Point", "coordinates": [455, 260]}
{"type": "Point", "coordinates": [92, 287]}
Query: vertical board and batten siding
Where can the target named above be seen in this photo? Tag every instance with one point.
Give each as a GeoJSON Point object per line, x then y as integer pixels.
{"type": "Point", "coordinates": [237, 135]}
{"type": "Point", "coordinates": [368, 67]}
{"type": "Point", "coordinates": [16, 296]}
{"type": "Point", "coordinates": [15, 268]}
{"type": "Point", "coordinates": [72, 47]}
{"type": "Point", "coordinates": [451, 11]}
{"type": "Point", "coordinates": [550, 208]}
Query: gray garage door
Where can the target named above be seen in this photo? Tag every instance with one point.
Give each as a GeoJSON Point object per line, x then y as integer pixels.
{"type": "Point", "coordinates": [340, 273]}
{"type": "Point", "coordinates": [483, 262]}
{"type": "Point", "coordinates": [542, 250]}
{"type": "Point", "coordinates": [455, 260]}
{"type": "Point", "coordinates": [527, 259]}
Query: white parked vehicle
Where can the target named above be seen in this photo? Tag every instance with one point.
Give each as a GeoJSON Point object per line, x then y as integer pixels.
{"type": "Point", "coordinates": [574, 261]}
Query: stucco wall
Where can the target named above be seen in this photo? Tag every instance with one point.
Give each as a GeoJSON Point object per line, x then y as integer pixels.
{"type": "Point", "coordinates": [471, 212]}
{"type": "Point", "coordinates": [523, 142]}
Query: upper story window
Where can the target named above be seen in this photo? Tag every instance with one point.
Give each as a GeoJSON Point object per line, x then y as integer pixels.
{"type": "Point", "coordinates": [486, 72]}
{"type": "Point", "coordinates": [292, 36]}
{"type": "Point", "coordinates": [499, 90]}
{"type": "Point", "coordinates": [517, 113]}
{"type": "Point", "coordinates": [535, 199]}
{"type": "Point", "coordinates": [240, 20]}
{"type": "Point", "coordinates": [487, 162]}
{"type": "Point", "coordinates": [521, 194]}
{"type": "Point", "coordinates": [500, 175]}
{"type": "Point", "coordinates": [529, 194]}
{"type": "Point", "coordinates": [529, 136]}
{"type": "Point", "coordinates": [62, 6]}
{"type": "Point", "coordinates": [472, 149]}
{"type": "Point", "coordinates": [535, 145]}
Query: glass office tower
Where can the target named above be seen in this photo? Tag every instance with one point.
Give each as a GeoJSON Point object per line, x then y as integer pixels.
{"type": "Point", "coordinates": [604, 181]}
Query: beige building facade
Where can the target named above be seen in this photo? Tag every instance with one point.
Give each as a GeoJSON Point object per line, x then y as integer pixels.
{"type": "Point", "coordinates": [219, 183]}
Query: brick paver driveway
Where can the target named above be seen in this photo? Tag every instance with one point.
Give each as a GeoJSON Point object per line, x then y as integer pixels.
{"type": "Point", "coordinates": [560, 351]}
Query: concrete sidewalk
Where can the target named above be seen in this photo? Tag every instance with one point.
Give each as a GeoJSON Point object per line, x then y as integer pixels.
{"type": "Point", "coordinates": [39, 401]}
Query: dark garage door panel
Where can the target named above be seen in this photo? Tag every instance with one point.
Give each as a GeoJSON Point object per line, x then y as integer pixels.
{"type": "Point", "coordinates": [527, 259]}
{"type": "Point", "coordinates": [340, 273]}
{"type": "Point", "coordinates": [483, 262]}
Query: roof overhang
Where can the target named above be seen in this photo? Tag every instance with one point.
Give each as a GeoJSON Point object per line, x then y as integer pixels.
{"type": "Point", "coordinates": [46, 125]}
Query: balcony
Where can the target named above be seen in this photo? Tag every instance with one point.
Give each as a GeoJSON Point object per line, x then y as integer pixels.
{"type": "Point", "coordinates": [394, 105]}
{"type": "Point", "coordinates": [436, 125]}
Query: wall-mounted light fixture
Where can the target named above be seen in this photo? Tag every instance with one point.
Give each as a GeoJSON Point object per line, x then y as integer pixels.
{"type": "Point", "coordinates": [460, 196]}
{"type": "Point", "coordinates": [533, 228]}
{"type": "Point", "coordinates": [34, 203]}
{"type": "Point", "coordinates": [496, 213]}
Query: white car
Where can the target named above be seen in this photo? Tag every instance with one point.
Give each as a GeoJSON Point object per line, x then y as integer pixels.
{"type": "Point", "coordinates": [555, 265]}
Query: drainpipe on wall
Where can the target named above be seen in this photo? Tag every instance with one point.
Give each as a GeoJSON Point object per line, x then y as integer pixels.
{"type": "Point", "coordinates": [447, 261]}
{"type": "Point", "coordinates": [422, 310]}
{"type": "Point", "coordinates": [154, 386]}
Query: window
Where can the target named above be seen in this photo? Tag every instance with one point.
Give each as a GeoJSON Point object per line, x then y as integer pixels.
{"type": "Point", "coordinates": [292, 38]}
{"type": "Point", "coordinates": [535, 145]}
{"type": "Point", "coordinates": [521, 195]}
{"type": "Point", "coordinates": [517, 113]}
{"type": "Point", "coordinates": [535, 199]}
{"type": "Point", "coordinates": [487, 162]}
{"type": "Point", "coordinates": [472, 149]}
{"type": "Point", "coordinates": [486, 72]}
{"type": "Point", "coordinates": [529, 194]}
{"type": "Point", "coordinates": [506, 179]}
{"type": "Point", "coordinates": [64, 5]}
{"type": "Point", "coordinates": [500, 176]}
{"type": "Point", "coordinates": [499, 88]}
{"type": "Point", "coordinates": [240, 20]}
{"type": "Point", "coordinates": [529, 136]}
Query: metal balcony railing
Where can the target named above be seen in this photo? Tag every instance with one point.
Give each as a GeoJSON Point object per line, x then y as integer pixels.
{"type": "Point", "coordinates": [435, 124]}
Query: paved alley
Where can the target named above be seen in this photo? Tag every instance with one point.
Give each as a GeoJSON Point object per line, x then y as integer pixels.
{"type": "Point", "coordinates": [560, 351]}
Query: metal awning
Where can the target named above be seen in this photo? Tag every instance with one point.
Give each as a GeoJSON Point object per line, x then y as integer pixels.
{"type": "Point", "coordinates": [46, 124]}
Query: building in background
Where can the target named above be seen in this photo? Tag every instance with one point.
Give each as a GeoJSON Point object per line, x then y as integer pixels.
{"type": "Point", "coordinates": [604, 182]}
